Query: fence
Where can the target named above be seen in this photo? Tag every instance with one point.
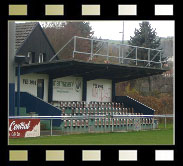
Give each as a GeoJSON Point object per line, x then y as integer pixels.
{"type": "Point", "coordinates": [90, 49]}
{"type": "Point", "coordinates": [93, 123]}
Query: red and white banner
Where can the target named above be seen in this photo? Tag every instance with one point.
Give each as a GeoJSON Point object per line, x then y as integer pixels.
{"type": "Point", "coordinates": [20, 128]}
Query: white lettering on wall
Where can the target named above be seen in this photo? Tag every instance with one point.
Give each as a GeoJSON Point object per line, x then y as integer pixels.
{"type": "Point", "coordinates": [20, 126]}
{"type": "Point", "coordinates": [28, 83]}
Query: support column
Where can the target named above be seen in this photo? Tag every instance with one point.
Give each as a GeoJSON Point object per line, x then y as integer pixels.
{"type": "Point", "coordinates": [113, 91]}
{"type": "Point", "coordinates": [84, 91]}
{"type": "Point", "coordinates": [18, 91]}
{"type": "Point", "coordinates": [50, 89]}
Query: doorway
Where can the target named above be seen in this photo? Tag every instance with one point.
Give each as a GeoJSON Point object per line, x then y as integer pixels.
{"type": "Point", "coordinates": [40, 88]}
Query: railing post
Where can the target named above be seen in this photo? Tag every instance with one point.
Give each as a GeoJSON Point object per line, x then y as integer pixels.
{"type": "Point", "coordinates": [18, 91]}
{"type": "Point", "coordinates": [152, 123]}
{"type": "Point", "coordinates": [74, 46]}
{"type": "Point", "coordinates": [136, 55]}
{"type": "Point", "coordinates": [165, 122]}
{"type": "Point", "coordinates": [105, 124]}
{"type": "Point", "coordinates": [112, 124]}
{"type": "Point", "coordinates": [145, 123]}
{"type": "Point", "coordinates": [122, 53]}
{"type": "Point", "coordinates": [71, 124]}
{"type": "Point", "coordinates": [119, 54]}
{"type": "Point", "coordinates": [91, 56]}
{"type": "Point", "coordinates": [127, 124]}
{"type": "Point", "coordinates": [140, 123]}
{"type": "Point", "coordinates": [51, 126]}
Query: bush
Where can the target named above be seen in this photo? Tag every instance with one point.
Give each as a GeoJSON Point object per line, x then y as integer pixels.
{"type": "Point", "coordinates": [162, 103]}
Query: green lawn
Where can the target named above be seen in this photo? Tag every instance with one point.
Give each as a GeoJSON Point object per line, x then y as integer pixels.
{"type": "Point", "coordinates": [150, 137]}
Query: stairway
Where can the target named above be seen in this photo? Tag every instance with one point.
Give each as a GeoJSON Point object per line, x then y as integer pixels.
{"type": "Point", "coordinates": [37, 105]}
{"type": "Point", "coordinates": [138, 106]}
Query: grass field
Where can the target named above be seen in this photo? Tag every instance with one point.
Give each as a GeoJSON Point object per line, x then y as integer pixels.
{"type": "Point", "coordinates": [149, 137]}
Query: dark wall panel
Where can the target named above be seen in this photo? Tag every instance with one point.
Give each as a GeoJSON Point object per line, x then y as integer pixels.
{"type": "Point", "coordinates": [37, 43]}
{"type": "Point", "coordinates": [11, 99]}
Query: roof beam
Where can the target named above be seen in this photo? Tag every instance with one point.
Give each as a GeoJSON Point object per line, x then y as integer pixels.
{"type": "Point", "coordinates": [136, 77]}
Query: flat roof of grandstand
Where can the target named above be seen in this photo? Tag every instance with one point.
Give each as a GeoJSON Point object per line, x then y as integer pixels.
{"type": "Point", "coordinates": [90, 70]}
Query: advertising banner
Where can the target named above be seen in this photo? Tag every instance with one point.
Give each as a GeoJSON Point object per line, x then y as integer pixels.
{"type": "Point", "coordinates": [22, 128]}
{"type": "Point", "coordinates": [67, 89]}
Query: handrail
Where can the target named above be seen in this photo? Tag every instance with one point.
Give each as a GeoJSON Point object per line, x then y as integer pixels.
{"type": "Point", "coordinates": [115, 43]}
{"type": "Point", "coordinates": [92, 116]}
{"type": "Point", "coordinates": [51, 118]}
{"type": "Point", "coordinates": [61, 49]}
{"type": "Point", "coordinates": [120, 55]}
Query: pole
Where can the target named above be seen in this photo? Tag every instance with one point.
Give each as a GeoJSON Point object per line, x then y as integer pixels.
{"type": "Point", "coordinates": [91, 56]}
{"type": "Point", "coordinates": [51, 126]}
{"type": "Point", "coordinates": [126, 124]}
{"type": "Point", "coordinates": [122, 42]}
{"type": "Point", "coordinates": [152, 123]}
{"type": "Point", "coordinates": [123, 34]}
{"type": "Point", "coordinates": [71, 124]}
{"type": "Point", "coordinates": [140, 119]}
{"type": "Point", "coordinates": [119, 54]}
{"type": "Point", "coordinates": [107, 51]}
{"type": "Point", "coordinates": [18, 91]}
{"type": "Point", "coordinates": [136, 55]}
{"type": "Point", "coordinates": [74, 47]}
{"type": "Point", "coordinates": [105, 125]}
{"type": "Point", "coordinates": [112, 124]}
{"type": "Point", "coordinates": [165, 122]}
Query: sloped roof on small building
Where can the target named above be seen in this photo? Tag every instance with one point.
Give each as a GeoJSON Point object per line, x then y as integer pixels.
{"type": "Point", "coordinates": [23, 30]}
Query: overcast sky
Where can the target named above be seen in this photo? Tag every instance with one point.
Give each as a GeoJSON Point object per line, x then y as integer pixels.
{"type": "Point", "coordinates": [111, 29]}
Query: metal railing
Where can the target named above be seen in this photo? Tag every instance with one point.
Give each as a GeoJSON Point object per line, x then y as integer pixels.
{"type": "Point", "coordinates": [113, 116]}
{"type": "Point", "coordinates": [108, 52]}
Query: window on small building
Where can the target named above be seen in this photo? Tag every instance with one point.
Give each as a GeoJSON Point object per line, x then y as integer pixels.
{"type": "Point", "coordinates": [44, 57]}
{"type": "Point", "coordinates": [31, 57]}
{"type": "Point", "coordinates": [40, 57]}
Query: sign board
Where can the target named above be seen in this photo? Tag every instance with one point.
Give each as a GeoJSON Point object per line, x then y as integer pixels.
{"type": "Point", "coordinates": [67, 89]}
{"type": "Point", "coordinates": [99, 90]}
{"type": "Point", "coordinates": [22, 128]}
